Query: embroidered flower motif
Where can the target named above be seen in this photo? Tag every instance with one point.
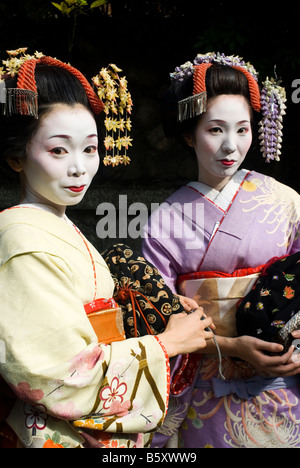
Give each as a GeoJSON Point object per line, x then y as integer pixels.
{"type": "Point", "coordinates": [66, 410]}
{"type": "Point", "coordinates": [280, 206]}
{"type": "Point", "coordinates": [26, 393]}
{"type": "Point", "coordinates": [265, 292]}
{"type": "Point", "coordinates": [54, 441]}
{"type": "Point", "coordinates": [113, 392]}
{"type": "Point", "coordinates": [91, 423]}
{"type": "Point", "coordinates": [278, 323]}
{"type": "Point", "coordinates": [112, 443]}
{"type": "Point", "coordinates": [119, 409]}
{"type": "Point", "coordinates": [86, 360]}
{"type": "Point", "coordinates": [197, 423]}
{"type": "Point", "coordinates": [288, 292]}
{"type": "Point", "coordinates": [249, 186]}
{"type": "Point", "coordinates": [36, 417]}
{"type": "Point", "coordinates": [289, 277]}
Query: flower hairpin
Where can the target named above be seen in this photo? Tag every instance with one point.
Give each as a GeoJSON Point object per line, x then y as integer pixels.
{"type": "Point", "coordinates": [273, 98]}
{"type": "Point", "coordinates": [112, 90]}
{"type": "Point", "coordinates": [187, 69]}
{"type": "Point", "coordinates": [16, 59]}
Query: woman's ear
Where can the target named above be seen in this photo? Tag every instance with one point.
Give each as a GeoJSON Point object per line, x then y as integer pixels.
{"type": "Point", "coordinates": [15, 163]}
{"type": "Point", "coordinates": [188, 137]}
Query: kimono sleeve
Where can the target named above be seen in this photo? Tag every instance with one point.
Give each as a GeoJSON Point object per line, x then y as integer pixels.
{"type": "Point", "coordinates": [296, 242]}
{"type": "Point", "coordinates": [160, 246]}
{"type": "Point", "coordinates": [53, 360]}
{"type": "Point", "coordinates": [156, 253]}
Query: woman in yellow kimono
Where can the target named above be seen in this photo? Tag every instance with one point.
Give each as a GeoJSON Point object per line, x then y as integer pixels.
{"type": "Point", "coordinates": [69, 378]}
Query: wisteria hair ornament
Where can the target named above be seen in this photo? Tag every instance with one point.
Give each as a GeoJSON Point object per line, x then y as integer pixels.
{"type": "Point", "coordinates": [111, 96]}
{"type": "Point", "coordinates": [270, 101]}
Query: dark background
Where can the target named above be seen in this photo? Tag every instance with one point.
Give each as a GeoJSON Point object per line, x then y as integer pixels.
{"type": "Point", "coordinates": [148, 39]}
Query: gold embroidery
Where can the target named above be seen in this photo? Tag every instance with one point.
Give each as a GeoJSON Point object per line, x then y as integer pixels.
{"type": "Point", "coordinates": [281, 208]}
{"type": "Point", "coordinates": [249, 186]}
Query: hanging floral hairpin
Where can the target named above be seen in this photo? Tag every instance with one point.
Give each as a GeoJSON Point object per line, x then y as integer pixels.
{"type": "Point", "coordinates": [273, 98]}
{"type": "Point", "coordinates": [112, 90]}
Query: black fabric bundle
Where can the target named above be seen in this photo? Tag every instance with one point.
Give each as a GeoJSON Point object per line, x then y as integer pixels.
{"type": "Point", "coordinates": [146, 301]}
{"type": "Point", "coordinates": [273, 301]}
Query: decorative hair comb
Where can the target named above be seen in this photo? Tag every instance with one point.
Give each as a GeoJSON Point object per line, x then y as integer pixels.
{"type": "Point", "coordinates": [270, 101]}
{"type": "Point", "coordinates": [17, 100]}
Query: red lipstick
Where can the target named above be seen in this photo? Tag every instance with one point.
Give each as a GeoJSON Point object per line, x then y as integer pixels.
{"type": "Point", "coordinates": [76, 189]}
{"type": "Point", "coordinates": [225, 162]}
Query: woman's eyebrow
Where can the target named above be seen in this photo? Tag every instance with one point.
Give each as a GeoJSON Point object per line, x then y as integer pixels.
{"type": "Point", "coordinates": [225, 121]}
{"type": "Point", "coordinates": [67, 137]}
{"type": "Point", "coordinates": [59, 136]}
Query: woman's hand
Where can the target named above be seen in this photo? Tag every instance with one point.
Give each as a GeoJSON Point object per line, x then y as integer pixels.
{"type": "Point", "coordinates": [188, 303]}
{"type": "Point", "coordinates": [185, 333]}
{"type": "Point", "coordinates": [264, 356]}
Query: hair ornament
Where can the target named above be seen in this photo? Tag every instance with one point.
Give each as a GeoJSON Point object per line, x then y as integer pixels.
{"type": "Point", "coordinates": [270, 101]}
{"type": "Point", "coordinates": [273, 98]}
{"type": "Point", "coordinates": [17, 100]}
{"type": "Point", "coordinates": [112, 89]}
{"type": "Point", "coordinates": [23, 99]}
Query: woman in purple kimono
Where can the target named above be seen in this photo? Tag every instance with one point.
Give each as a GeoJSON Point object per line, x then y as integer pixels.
{"type": "Point", "coordinates": [211, 240]}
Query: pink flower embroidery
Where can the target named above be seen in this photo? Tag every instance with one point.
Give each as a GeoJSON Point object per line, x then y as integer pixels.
{"type": "Point", "coordinates": [86, 360]}
{"type": "Point", "coordinates": [26, 393]}
{"type": "Point", "coordinates": [66, 410]}
{"type": "Point", "coordinates": [118, 409]}
{"type": "Point", "coordinates": [113, 392]}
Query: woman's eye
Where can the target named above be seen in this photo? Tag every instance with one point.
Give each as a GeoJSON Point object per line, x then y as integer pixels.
{"type": "Point", "coordinates": [243, 130]}
{"type": "Point", "coordinates": [58, 151]}
{"type": "Point", "coordinates": [215, 130]}
{"type": "Point", "coordinates": [91, 149]}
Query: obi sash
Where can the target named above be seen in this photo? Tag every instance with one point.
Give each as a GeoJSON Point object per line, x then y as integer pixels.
{"type": "Point", "coordinates": [106, 319]}
{"type": "Point", "coordinates": [219, 294]}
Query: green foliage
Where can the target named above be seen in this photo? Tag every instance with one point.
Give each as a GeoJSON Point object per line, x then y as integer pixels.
{"type": "Point", "coordinates": [72, 9]}
{"type": "Point", "coordinates": [76, 7]}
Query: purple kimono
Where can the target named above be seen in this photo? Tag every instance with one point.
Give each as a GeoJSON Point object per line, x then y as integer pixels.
{"type": "Point", "coordinates": [211, 245]}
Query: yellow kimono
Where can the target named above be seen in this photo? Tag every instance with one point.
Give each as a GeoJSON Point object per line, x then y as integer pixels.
{"type": "Point", "coordinates": [71, 390]}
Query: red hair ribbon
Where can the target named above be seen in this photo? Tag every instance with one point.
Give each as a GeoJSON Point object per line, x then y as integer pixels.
{"type": "Point", "coordinates": [26, 79]}
{"type": "Point", "coordinates": [200, 87]}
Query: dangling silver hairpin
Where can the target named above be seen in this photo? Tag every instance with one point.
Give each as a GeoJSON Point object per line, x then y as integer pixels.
{"type": "Point", "coordinates": [18, 101]}
{"type": "Point", "coordinates": [192, 106]}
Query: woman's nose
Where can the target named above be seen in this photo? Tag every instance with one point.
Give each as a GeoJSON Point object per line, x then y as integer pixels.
{"type": "Point", "coordinates": [229, 144]}
{"type": "Point", "coordinates": [77, 167]}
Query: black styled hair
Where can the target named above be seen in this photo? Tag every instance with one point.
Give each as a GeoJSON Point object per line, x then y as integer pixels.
{"type": "Point", "coordinates": [220, 79]}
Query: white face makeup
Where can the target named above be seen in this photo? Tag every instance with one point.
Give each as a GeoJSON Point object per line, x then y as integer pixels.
{"type": "Point", "coordinates": [222, 139]}
{"type": "Point", "coordinates": [62, 158]}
